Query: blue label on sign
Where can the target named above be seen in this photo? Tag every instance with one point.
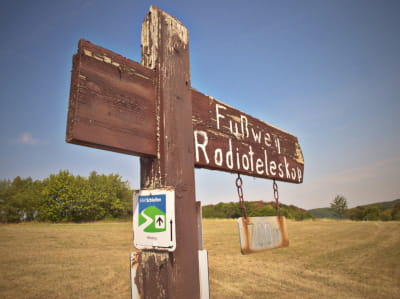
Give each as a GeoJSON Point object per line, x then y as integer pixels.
{"type": "Point", "coordinates": [152, 213]}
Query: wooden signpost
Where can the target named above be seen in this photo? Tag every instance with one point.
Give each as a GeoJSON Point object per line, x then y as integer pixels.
{"type": "Point", "coordinates": [150, 110]}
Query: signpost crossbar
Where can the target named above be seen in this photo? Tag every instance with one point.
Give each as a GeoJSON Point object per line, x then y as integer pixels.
{"type": "Point", "coordinates": [113, 107]}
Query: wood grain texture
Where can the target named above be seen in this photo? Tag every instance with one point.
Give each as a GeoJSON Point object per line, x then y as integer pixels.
{"type": "Point", "coordinates": [111, 102]}
{"type": "Point", "coordinates": [165, 47]}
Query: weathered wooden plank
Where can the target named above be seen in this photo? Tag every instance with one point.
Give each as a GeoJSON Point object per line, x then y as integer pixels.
{"type": "Point", "coordinates": [111, 102]}
{"type": "Point", "coordinates": [230, 140]}
{"type": "Point", "coordinates": [113, 106]}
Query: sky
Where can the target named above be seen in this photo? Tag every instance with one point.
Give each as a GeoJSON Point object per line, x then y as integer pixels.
{"type": "Point", "coordinates": [327, 72]}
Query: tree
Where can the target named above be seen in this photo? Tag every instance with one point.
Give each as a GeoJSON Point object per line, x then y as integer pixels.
{"type": "Point", "coordinates": [396, 212]}
{"type": "Point", "coordinates": [339, 205]}
{"type": "Point", "coordinates": [57, 197]}
{"type": "Point", "coordinates": [372, 213]}
{"type": "Point", "coordinates": [74, 198]}
{"type": "Point", "coordinates": [19, 199]}
{"type": "Point", "coordinates": [356, 213]}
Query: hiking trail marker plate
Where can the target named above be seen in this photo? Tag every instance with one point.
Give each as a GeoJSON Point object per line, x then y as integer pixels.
{"type": "Point", "coordinates": [154, 219]}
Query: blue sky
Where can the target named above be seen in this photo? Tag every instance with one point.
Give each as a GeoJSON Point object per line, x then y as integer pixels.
{"type": "Point", "coordinates": [325, 71]}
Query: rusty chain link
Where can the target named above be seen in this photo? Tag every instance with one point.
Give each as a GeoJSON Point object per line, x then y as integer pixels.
{"type": "Point", "coordinates": [239, 184]}
{"type": "Point", "coordinates": [276, 197]}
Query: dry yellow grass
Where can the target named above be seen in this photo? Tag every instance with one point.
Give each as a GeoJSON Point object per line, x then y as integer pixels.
{"type": "Point", "coordinates": [326, 259]}
{"type": "Point", "coordinates": [65, 260]}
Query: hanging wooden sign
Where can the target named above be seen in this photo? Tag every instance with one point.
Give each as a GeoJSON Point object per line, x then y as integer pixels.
{"type": "Point", "coordinates": [260, 233]}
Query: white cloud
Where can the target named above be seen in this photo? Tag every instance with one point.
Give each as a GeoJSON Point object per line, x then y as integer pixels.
{"type": "Point", "coordinates": [27, 138]}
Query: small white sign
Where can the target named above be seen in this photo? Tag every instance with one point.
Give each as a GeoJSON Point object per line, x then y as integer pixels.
{"type": "Point", "coordinates": [203, 275]}
{"type": "Point", "coordinates": [261, 233]}
{"type": "Point", "coordinates": [154, 219]}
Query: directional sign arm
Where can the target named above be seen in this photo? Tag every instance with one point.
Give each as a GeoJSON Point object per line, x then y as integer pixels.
{"type": "Point", "coordinates": [230, 140]}
{"type": "Point", "coordinates": [111, 102]}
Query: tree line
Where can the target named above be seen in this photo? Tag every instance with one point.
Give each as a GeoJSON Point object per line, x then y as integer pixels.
{"type": "Point", "coordinates": [254, 209]}
{"type": "Point", "coordinates": [376, 212]}
{"type": "Point", "coordinates": [384, 211]}
{"type": "Point", "coordinates": [381, 211]}
{"type": "Point", "coordinates": [64, 197]}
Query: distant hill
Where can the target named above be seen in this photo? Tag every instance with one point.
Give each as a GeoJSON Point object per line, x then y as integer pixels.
{"type": "Point", "coordinates": [324, 213]}
{"type": "Point", "coordinates": [386, 211]}
{"type": "Point", "coordinates": [254, 209]}
{"type": "Point", "coordinates": [383, 204]}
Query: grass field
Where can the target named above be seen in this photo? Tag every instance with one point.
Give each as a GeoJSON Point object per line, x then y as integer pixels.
{"type": "Point", "coordinates": [326, 259]}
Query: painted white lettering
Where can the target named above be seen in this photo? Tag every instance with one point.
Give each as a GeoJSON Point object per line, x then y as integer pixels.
{"type": "Point", "coordinates": [251, 155]}
{"type": "Point", "coordinates": [280, 172]}
{"type": "Point", "coordinates": [256, 136]}
{"type": "Point", "coordinates": [236, 131]}
{"type": "Point", "coordinates": [245, 162]}
{"type": "Point", "coordinates": [287, 169]}
{"type": "Point", "coordinates": [259, 166]}
{"type": "Point", "coordinates": [201, 146]}
{"type": "Point", "coordinates": [237, 159]}
{"type": "Point", "coordinates": [266, 162]}
{"type": "Point", "coordinates": [218, 114]}
{"type": "Point", "coordinates": [299, 174]}
{"type": "Point", "coordinates": [272, 167]}
{"type": "Point", "coordinates": [218, 157]}
{"type": "Point", "coordinates": [293, 173]}
{"type": "Point", "coordinates": [245, 126]}
{"type": "Point", "coordinates": [229, 156]}
{"type": "Point", "coordinates": [267, 139]}
{"type": "Point", "coordinates": [278, 145]}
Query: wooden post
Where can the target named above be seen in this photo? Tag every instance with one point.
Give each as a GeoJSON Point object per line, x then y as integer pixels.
{"type": "Point", "coordinates": [165, 48]}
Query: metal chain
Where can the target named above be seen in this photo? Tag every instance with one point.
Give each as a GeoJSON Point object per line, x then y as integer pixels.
{"type": "Point", "coordinates": [276, 197]}
{"type": "Point", "coordinates": [239, 184]}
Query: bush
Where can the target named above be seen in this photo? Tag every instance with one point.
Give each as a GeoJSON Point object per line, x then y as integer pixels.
{"type": "Point", "coordinates": [63, 197]}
